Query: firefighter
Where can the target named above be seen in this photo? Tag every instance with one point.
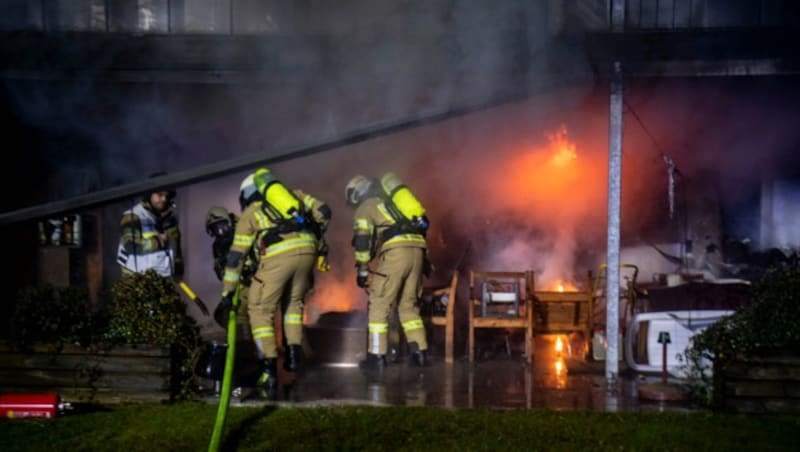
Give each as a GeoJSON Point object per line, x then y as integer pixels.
{"type": "Point", "coordinates": [150, 238]}
{"type": "Point", "coordinates": [220, 225]}
{"type": "Point", "coordinates": [389, 224]}
{"type": "Point", "coordinates": [285, 228]}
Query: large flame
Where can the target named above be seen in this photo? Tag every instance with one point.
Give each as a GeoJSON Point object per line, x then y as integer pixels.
{"type": "Point", "coordinates": [554, 191]}
{"type": "Point", "coordinates": [522, 196]}
{"type": "Point", "coordinates": [549, 178]}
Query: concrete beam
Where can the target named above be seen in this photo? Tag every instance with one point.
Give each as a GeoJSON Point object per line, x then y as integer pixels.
{"type": "Point", "coordinates": [252, 161]}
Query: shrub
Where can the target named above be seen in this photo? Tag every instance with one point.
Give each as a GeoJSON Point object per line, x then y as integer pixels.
{"type": "Point", "coordinates": [53, 314]}
{"type": "Point", "coordinates": [771, 322]}
{"type": "Point", "coordinates": [146, 309]}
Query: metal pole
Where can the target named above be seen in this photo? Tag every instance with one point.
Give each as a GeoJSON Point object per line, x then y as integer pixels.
{"type": "Point", "coordinates": [612, 258]}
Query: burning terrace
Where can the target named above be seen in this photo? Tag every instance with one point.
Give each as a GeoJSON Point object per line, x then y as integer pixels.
{"type": "Point", "coordinates": [584, 165]}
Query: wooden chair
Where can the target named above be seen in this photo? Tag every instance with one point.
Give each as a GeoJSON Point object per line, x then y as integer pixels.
{"type": "Point", "coordinates": [563, 312]}
{"type": "Point", "coordinates": [479, 283]}
{"type": "Point", "coordinates": [447, 296]}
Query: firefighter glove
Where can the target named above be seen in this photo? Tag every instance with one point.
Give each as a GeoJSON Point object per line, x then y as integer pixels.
{"type": "Point", "coordinates": [227, 299]}
{"type": "Point", "coordinates": [362, 276]}
{"type": "Point", "coordinates": [223, 309]}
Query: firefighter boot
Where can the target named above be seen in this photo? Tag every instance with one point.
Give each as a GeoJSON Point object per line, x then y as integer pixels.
{"type": "Point", "coordinates": [293, 359]}
{"type": "Point", "coordinates": [373, 363]}
{"type": "Point", "coordinates": [418, 357]}
{"type": "Point", "coordinates": [268, 381]}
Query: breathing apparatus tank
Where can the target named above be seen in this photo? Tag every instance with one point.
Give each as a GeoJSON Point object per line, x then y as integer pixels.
{"type": "Point", "coordinates": [279, 199]}
{"type": "Point", "coordinates": [407, 206]}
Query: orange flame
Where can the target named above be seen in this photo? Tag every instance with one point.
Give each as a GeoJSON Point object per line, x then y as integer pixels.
{"type": "Point", "coordinates": [563, 151]}
{"type": "Point", "coordinates": [333, 296]}
{"type": "Point", "coordinates": [559, 345]}
{"type": "Point", "coordinates": [551, 184]}
{"type": "Point", "coordinates": [560, 285]}
{"type": "Point", "coordinates": [561, 373]}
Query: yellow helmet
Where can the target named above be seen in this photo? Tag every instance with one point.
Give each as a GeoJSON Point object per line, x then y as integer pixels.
{"type": "Point", "coordinates": [356, 189]}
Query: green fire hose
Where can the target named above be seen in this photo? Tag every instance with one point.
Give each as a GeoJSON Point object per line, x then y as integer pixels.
{"type": "Point", "coordinates": [227, 376]}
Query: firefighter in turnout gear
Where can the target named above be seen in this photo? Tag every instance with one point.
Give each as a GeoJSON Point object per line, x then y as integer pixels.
{"type": "Point", "coordinates": [390, 225]}
{"type": "Point", "coordinates": [150, 238]}
{"type": "Point", "coordinates": [285, 228]}
{"type": "Point", "coordinates": [220, 225]}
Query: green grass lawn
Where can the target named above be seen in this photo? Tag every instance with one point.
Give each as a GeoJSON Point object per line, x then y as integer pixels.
{"type": "Point", "coordinates": [187, 426]}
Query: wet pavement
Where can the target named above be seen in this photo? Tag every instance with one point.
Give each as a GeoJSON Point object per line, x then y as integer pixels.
{"type": "Point", "coordinates": [551, 381]}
